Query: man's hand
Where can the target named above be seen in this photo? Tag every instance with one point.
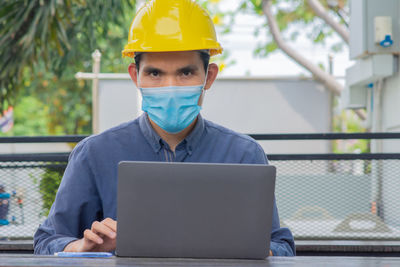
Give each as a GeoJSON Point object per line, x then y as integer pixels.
{"type": "Point", "coordinates": [100, 238]}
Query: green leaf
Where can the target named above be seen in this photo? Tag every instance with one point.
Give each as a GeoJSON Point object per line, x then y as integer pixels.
{"type": "Point", "coordinates": [270, 47]}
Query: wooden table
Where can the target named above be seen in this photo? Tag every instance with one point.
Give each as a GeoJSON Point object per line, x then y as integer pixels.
{"type": "Point", "coordinates": [32, 260]}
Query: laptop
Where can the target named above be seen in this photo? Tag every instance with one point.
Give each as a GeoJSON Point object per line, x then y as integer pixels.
{"type": "Point", "coordinates": [194, 210]}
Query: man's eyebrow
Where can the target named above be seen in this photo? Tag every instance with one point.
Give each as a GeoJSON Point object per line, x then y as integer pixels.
{"type": "Point", "coordinates": [150, 69]}
{"type": "Point", "coordinates": [191, 68]}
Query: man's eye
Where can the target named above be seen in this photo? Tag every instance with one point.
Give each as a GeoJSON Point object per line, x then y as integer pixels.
{"type": "Point", "coordinates": [154, 73]}
{"type": "Point", "coordinates": [186, 73]}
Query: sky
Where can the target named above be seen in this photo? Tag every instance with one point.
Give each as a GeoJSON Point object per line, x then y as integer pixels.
{"type": "Point", "coordinates": [241, 44]}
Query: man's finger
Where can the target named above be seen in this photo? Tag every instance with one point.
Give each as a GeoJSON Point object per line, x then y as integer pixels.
{"type": "Point", "coordinates": [89, 235]}
{"type": "Point", "coordinates": [110, 223]}
{"type": "Point", "coordinates": [102, 229]}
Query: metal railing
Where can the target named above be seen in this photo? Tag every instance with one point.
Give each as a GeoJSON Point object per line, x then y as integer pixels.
{"type": "Point", "coordinates": [319, 196]}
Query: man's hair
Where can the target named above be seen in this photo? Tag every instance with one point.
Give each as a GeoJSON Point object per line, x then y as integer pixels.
{"type": "Point", "coordinates": [204, 56]}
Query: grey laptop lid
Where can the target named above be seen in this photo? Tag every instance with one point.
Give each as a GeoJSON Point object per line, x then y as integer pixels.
{"type": "Point", "coordinates": [194, 210]}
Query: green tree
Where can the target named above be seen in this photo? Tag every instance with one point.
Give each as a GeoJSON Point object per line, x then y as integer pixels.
{"type": "Point", "coordinates": [48, 187]}
{"type": "Point", "coordinates": [282, 16]}
{"type": "Point", "coordinates": [43, 43]}
{"type": "Point", "coordinates": [30, 118]}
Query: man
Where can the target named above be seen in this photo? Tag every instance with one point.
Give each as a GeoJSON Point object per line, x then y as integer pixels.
{"type": "Point", "coordinates": [171, 41]}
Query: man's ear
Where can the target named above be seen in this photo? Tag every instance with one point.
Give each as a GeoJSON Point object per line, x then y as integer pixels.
{"type": "Point", "coordinates": [212, 75]}
{"type": "Point", "coordinates": [133, 73]}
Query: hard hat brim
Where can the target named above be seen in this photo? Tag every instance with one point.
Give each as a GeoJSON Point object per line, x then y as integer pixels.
{"type": "Point", "coordinates": [131, 52]}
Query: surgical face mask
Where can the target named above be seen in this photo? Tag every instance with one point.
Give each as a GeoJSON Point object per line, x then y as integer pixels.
{"type": "Point", "coordinates": [173, 108]}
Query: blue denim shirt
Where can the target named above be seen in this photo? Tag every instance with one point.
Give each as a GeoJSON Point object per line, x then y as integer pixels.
{"type": "Point", "coordinates": [88, 190]}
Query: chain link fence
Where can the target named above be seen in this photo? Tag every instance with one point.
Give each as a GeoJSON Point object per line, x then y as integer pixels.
{"type": "Point", "coordinates": [341, 199]}
{"type": "Point", "coordinates": [319, 196]}
{"type": "Point", "coordinates": [27, 190]}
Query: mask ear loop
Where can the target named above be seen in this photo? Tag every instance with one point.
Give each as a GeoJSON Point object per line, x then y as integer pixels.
{"type": "Point", "coordinates": [203, 90]}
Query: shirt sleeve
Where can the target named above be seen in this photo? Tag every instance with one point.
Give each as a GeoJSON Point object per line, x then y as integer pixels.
{"type": "Point", "coordinates": [76, 206]}
{"type": "Point", "coordinates": [282, 241]}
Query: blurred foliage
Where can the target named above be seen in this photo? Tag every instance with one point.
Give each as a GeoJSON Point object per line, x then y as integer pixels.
{"type": "Point", "coordinates": [30, 118]}
{"type": "Point", "coordinates": [347, 121]}
{"type": "Point", "coordinates": [48, 187]}
{"type": "Point", "coordinates": [43, 43]}
{"type": "Point", "coordinates": [288, 13]}
{"type": "Point", "coordinates": [298, 13]}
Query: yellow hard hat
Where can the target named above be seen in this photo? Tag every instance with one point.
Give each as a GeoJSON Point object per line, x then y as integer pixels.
{"type": "Point", "coordinates": [171, 25]}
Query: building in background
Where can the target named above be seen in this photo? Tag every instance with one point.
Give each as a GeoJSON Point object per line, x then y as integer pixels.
{"type": "Point", "coordinates": [373, 83]}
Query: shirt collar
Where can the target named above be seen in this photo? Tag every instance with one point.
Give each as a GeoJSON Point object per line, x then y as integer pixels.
{"type": "Point", "coordinates": [155, 140]}
{"type": "Point", "coordinates": [194, 137]}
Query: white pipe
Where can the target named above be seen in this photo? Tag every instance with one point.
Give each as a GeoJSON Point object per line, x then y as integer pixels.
{"type": "Point", "coordinates": [95, 91]}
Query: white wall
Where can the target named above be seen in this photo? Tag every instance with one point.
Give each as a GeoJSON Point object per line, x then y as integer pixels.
{"type": "Point", "coordinates": [34, 148]}
{"type": "Point", "coordinates": [119, 101]}
{"type": "Point", "coordinates": [244, 105]}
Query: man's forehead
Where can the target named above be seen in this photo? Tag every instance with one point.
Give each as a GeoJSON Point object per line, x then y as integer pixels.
{"type": "Point", "coordinates": [171, 56]}
{"type": "Point", "coordinates": [171, 60]}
